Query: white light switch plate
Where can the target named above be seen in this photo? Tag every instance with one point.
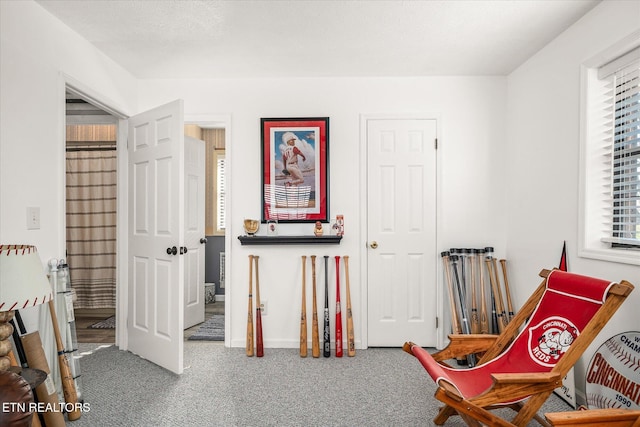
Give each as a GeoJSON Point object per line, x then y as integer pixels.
{"type": "Point", "coordinates": [33, 218]}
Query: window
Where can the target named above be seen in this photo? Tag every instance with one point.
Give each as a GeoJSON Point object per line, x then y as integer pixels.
{"type": "Point", "coordinates": [610, 156]}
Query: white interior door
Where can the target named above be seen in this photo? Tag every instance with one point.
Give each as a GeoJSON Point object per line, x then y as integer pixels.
{"type": "Point", "coordinates": [156, 226]}
{"type": "Point", "coordinates": [401, 232]}
{"type": "Point", "coordinates": [194, 168]}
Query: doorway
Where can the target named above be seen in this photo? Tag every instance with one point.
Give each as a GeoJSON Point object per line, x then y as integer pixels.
{"type": "Point", "coordinates": [91, 117]}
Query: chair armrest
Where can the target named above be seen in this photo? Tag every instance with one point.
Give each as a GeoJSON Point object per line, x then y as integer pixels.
{"type": "Point", "coordinates": [609, 416]}
{"type": "Point", "coordinates": [464, 344]}
{"type": "Point", "coordinates": [511, 387]}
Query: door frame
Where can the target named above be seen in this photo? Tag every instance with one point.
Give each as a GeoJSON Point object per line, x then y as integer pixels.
{"type": "Point", "coordinates": [69, 83]}
{"type": "Point", "coordinates": [364, 217]}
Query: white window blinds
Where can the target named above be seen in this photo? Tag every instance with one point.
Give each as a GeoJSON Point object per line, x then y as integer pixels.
{"type": "Point", "coordinates": [220, 187]}
{"type": "Point", "coordinates": [622, 140]}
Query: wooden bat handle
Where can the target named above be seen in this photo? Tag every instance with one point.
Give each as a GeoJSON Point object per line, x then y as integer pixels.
{"type": "Point", "coordinates": [249, 345]}
{"type": "Point", "coordinates": [303, 312]}
{"type": "Point", "coordinates": [68, 386]}
{"type": "Point", "coordinates": [259, 342]}
{"type": "Point", "coordinates": [326, 352]}
{"type": "Point", "coordinates": [351, 346]}
{"type": "Point", "coordinates": [315, 336]}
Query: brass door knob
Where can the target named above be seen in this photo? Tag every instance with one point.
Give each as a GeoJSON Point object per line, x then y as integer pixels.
{"type": "Point", "coordinates": [374, 245]}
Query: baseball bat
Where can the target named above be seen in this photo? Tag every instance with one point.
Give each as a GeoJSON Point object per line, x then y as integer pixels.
{"type": "Point", "coordinates": [498, 319]}
{"type": "Point", "coordinates": [338, 311]}
{"type": "Point", "coordinates": [303, 315]}
{"type": "Point", "coordinates": [466, 329]}
{"type": "Point", "coordinates": [249, 346]}
{"type": "Point", "coordinates": [351, 345]}
{"type": "Point", "coordinates": [68, 384]}
{"type": "Point", "coordinates": [503, 263]}
{"type": "Point", "coordinates": [259, 344]}
{"type": "Point", "coordinates": [484, 316]}
{"type": "Point", "coordinates": [503, 310]}
{"type": "Point", "coordinates": [46, 392]}
{"type": "Point", "coordinates": [315, 336]}
{"type": "Point", "coordinates": [327, 330]}
{"type": "Point", "coordinates": [475, 321]}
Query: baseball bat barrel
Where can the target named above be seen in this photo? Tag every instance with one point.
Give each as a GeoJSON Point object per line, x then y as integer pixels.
{"type": "Point", "coordinates": [503, 310]}
{"type": "Point", "coordinates": [484, 316]}
{"type": "Point", "coordinates": [327, 331]}
{"type": "Point", "coordinates": [68, 384]}
{"type": "Point", "coordinates": [46, 392]}
{"type": "Point", "coordinates": [303, 312]}
{"type": "Point", "coordinates": [503, 263]}
{"type": "Point", "coordinates": [475, 320]}
{"type": "Point", "coordinates": [351, 345]}
{"type": "Point", "coordinates": [498, 319]}
{"type": "Point", "coordinates": [338, 311]}
{"type": "Point", "coordinates": [249, 345]}
{"type": "Point", "coordinates": [315, 336]}
{"type": "Point", "coordinates": [259, 343]}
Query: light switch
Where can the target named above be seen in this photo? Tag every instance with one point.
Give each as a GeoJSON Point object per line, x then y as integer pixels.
{"type": "Point", "coordinates": [33, 218]}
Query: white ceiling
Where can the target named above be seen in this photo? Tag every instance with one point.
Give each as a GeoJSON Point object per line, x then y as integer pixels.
{"type": "Point", "coordinates": [311, 38]}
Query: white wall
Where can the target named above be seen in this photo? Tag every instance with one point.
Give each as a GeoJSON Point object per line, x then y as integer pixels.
{"type": "Point", "coordinates": [543, 153]}
{"type": "Point", "coordinates": [472, 131]}
{"type": "Point", "coordinates": [38, 54]}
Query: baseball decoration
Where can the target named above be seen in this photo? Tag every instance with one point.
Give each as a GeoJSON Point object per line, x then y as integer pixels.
{"type": "Point", "coordinates": [613, 375]}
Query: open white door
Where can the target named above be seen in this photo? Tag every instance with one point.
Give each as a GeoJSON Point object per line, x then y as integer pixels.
{"type": "Point", "coordinates": [401, 232]}
{"type": "Point", "coordinates": [194, 170]}
{"type": "Point", "coordinates": [156, 230]}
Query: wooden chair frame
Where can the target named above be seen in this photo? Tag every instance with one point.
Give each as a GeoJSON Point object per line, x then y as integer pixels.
{"type": "Point", "coordinates": [476, 411]}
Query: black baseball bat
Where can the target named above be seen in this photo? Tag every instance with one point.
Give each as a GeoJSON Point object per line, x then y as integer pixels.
{"type": "Point", "coordinates": [327, 330]}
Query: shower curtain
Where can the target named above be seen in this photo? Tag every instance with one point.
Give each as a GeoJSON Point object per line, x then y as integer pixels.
{"type": "Point", "coordinates": [91, 225]}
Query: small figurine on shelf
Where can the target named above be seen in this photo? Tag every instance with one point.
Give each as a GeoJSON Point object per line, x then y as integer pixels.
{"type": "Point", "coordinates": [318, 230]}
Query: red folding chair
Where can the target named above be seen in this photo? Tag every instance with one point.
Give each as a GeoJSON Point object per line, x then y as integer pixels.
{"type": "Point", "coordinates": [522, 366]}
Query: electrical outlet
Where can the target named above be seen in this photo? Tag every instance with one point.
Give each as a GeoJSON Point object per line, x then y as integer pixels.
{"type": "Point", "coordinates": [263, 307]}
{"type": "Point", "coordinates": [33, 218]}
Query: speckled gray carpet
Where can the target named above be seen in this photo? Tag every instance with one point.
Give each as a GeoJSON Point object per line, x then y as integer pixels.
{"type": "Point", "coordinates": [223, 387]}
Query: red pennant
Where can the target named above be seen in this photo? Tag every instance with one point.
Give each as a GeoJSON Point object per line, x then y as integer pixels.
{"type": "Point", "coordinates": [563, 258]}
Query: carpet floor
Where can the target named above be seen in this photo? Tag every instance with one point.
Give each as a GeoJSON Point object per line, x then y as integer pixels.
{"type": "Point", "coordinates": [223, 387]}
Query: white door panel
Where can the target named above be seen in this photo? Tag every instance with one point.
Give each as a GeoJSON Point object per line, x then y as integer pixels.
{"type": "Point", "coordinates": [401, 164]}
{"type": "Point", "coordinates": [194, 231]}
{"type": "Point", "coordinates": [156, 223]}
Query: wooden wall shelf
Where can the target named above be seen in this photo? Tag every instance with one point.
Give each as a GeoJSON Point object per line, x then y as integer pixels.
{"type": "Point", "coordinates": [289, 240]}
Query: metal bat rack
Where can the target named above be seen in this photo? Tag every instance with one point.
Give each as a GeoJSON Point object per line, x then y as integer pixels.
{"type": "Point", "coordinates": [61, 284]}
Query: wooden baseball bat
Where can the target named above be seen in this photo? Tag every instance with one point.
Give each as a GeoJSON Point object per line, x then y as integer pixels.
{"type": "Point", "coordinates": [475, 321]}
{"type": "Point", "coordinates": [259, 344]}
{"type": "Point", "coordinates": [503, 310]}
{"type": "Point", "coordinates": [338, 311]}
{"type": "Point", "coordinates": [68, 384]}
{"type": "Point", "coordinates": [46, 392]}
{"type": "Point", "coordinates": [327, 331]}
{"type": "Point", "coordinates": [484, 315]}
{"type": "Point", "coordinates": [315, 336]}
{"type": "Point", "coordinates": [249, 346]}
{"type": "Point", "coordinates": [351, 345]}
{"type": "Point", "coordinates": [496, 301]}
{"type": "Point", "coordinates": [503, 263]}
{"type": "Point", "coordinates": [303, 315]}
{"type": "Point", "coordinates": [455, 323]}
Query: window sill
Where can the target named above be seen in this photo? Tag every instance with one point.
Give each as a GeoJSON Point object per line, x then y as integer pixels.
{"type": "Point", "coordinates": [622, 256]}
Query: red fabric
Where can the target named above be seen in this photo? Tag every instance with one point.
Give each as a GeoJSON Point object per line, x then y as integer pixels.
{"type": "Point", "coordinates": [563, 258]}
{"type": "Point", "coordinates": [568, 303]}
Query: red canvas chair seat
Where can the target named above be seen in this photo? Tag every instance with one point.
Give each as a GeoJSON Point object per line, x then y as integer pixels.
{"type": "Point", "coordinates": [558, 313]}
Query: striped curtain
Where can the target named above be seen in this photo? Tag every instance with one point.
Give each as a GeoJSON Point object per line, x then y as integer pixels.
{"type": "Point", "coordinates": [91, 226]}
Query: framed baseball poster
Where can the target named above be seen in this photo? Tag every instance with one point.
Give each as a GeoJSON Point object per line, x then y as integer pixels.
{"type": "Point", "coordinates": [295, 166]}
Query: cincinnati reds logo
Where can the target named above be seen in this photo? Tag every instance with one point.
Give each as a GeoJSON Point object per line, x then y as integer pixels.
{"type": "Point", "coordinates": [550, 339]}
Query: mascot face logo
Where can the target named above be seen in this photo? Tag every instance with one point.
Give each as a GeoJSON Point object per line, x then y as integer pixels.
{"type": "Point", "coordinates": [550, 339]}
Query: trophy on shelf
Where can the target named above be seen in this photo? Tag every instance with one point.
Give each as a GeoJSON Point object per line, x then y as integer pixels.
{"type": "Point", "coordinates": [251, 226]}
